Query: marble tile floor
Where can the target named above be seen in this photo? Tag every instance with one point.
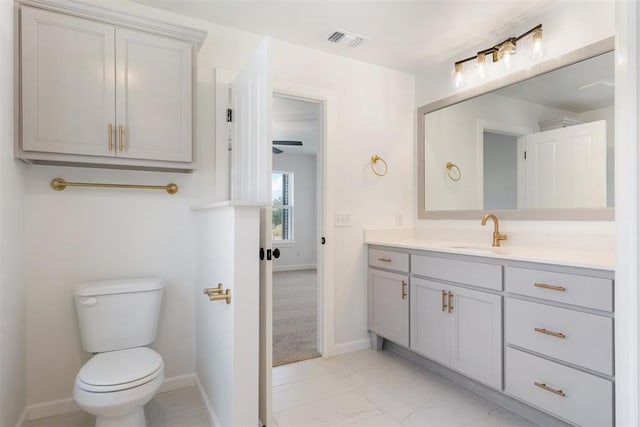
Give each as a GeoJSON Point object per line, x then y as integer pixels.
{"type": "Point", "coordinates": [377, 389]}
{"type": "Point", "coordinates": [176, 408]}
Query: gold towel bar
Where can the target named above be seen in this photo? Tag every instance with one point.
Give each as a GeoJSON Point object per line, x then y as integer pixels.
{"type": "Point", "coordinates": [60, 184]}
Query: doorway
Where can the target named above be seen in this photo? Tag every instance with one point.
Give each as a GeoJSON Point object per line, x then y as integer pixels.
{"type": "Point", "coordinates": [296, 190]}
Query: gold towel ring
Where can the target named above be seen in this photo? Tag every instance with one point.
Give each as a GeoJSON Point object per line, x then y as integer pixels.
{"type": "Point", "coordinates": [456, 176]}
{"type": "Point", "coordinates": [374, 160]}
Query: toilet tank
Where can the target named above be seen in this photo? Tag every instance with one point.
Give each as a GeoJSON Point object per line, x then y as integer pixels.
{"type": "Point", "coordinates": [118, 314]}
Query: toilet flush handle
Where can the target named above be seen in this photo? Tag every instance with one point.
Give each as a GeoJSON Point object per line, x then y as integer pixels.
{"type": "Point", "coordinates": [89, 301]}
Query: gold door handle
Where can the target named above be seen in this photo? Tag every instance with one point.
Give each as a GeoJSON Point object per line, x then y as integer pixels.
{"type": "Point", "coordinates": [551, 287]}
{"type": "Point", "coordinates": [121, 137]}
{"type": "Point", "coordinates": [444, 300]}
{"type": "Point", "coordinates": [450, 302]}
{"type": "Point", "coordinates": [384, 259]}
{"type": "Point", "coordinates": [553, 334]}
{"type": "Point", "coordinates": [404, 290]}
{"type": "Point", "coordinates": [217, 294]}
{"type": "Point", "coordinates": [551, 389]}
{"type": "Point", "coordinates": [110, 131]}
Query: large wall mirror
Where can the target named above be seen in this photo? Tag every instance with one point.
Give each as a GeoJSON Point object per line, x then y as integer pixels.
{"type": "Point", "coordinates": [538, 144]}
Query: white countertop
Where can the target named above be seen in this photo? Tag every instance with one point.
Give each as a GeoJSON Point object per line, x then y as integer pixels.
{"type": "Point", "coordinates": [571, 258]}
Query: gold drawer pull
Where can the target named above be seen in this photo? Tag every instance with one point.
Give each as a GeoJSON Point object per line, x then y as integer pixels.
{"type": "Point", "coordinates": [444, 299]}
{"type": "Point", "coordinates": [404, 290]}
{"type": "Point", "coordinates": [384, 259]}
{"type": "Point", "coordinates": [553, 334]}
{"type": "Point", "coordinates": [551, 389]}
{"type": "Point", "coordinates": [552, 287]}
{"type": "Point", "coordinates": [450, 302]}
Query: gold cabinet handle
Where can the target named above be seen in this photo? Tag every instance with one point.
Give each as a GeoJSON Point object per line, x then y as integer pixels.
{"type": "Point", "coordinates": [551, 287]}
{"type": "Point", "coordinates": [553, 334]}
{"type": "Point", "coordinates": [110, 131]}
{"type": "Point", "coordinates": [384, 259]}
{"type": "Point", "coordinates": [121, 137]}
{"type": "Point", "coordinates": [404, 290]}
{"type": "Point", "coordinates": [218, 294]}
{"type": "Point", "coordinates": [444, 300]}
{"type": "Point", "coordinates": [450, 302]}
{"type": "Point", "coordinates": [551, 389]}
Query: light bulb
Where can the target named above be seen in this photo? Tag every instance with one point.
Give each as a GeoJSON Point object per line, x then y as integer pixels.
{"type": "Point", "coordinates": [482, 71]}
{"type": "Point", "coordinates": [457, 76]}
{"type": "Point", "coordinates": [536, 46]}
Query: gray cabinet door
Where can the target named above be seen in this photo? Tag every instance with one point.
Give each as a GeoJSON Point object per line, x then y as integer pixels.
{"type": "Point", "coordinates": [430, 320]}
{"type": "Point", "coordinates": [389, 306]}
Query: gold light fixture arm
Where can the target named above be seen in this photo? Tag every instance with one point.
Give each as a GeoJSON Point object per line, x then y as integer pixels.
{"type": "Point", "coordinates": [374, 160]}
{"type": "Point", "coordinates": [60, 184]}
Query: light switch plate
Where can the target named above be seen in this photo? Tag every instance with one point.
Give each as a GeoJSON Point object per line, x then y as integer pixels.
{"type": "Point", "coordinates": [342, 219]}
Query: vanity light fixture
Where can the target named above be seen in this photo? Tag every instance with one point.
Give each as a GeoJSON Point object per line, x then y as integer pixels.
{"type": "Point", "coordinates": [501, 51]}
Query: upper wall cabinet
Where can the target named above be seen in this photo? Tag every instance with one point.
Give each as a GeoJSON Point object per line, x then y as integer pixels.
{"type": "Point", "coordinates": [99, 94]}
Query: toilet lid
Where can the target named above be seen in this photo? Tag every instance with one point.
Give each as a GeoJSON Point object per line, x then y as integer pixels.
{"type": "Point", "coordinates": [120, 367]}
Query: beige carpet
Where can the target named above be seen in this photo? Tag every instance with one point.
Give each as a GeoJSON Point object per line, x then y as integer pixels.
{"type": "Point", "coordinates": [294, 316]}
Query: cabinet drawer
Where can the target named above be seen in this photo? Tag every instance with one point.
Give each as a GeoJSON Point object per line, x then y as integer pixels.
{"type": "Point", "coordinates": [586, 400]}
{"type": "Point", "coordinates": [466, 272]}
{"type": "Point", "coordinates": [391, 260]}
{"type": "Point", "coordinates": [580, 338]}
{"type": "Point", "coordinates": [586, 291]}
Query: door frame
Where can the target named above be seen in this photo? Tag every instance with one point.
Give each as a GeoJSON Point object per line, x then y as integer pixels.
{"type": "Point", "coordinates": [325, 311]}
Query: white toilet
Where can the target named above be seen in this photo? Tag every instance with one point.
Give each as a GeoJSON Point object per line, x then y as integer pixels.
{"type": "Point", "coordinates": [117, 319]}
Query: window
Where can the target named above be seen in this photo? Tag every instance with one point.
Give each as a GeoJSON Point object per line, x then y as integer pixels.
{"type": "Point", "coordinates": [282, 200]}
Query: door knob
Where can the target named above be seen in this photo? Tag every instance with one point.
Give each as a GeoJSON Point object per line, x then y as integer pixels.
{"type": "Point", "coordinates": [276, 253]}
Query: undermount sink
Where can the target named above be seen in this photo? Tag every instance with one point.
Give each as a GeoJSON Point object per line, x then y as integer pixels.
{"type": "Point", "coordinates": [476, 248]}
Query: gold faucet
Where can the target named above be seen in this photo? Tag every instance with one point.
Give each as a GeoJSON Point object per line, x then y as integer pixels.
{"type": "Point", "coordinates": [496, 234]}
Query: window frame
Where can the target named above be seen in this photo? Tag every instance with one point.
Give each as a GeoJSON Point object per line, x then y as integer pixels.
{"type": "Point", "coordinates": [289, 207]}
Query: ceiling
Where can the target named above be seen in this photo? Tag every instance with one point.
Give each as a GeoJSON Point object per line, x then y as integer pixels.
{"type": "Point", "coordinates": [401, 34]}
{"type": "Point", "coordinates": [585, 86]}
{"type": "Point", "coordinates": [296, 120]}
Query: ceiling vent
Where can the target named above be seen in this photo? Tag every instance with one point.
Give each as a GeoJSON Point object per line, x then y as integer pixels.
{"type": "Point", "coordinates": [346, 39]}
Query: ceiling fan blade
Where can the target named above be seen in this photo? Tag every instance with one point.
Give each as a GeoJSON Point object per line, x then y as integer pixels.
{"type": "Point", "coordinates": [275, 150]}
{"type": "Point", "coordinates": [285, 142]}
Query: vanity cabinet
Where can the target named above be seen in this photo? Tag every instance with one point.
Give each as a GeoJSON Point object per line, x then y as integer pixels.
{"type": "Point", "coordinates": [97, 94]}
{"type": "Point", "coordinates": [559, 354]}
{"type": "Point", "coordinates": [552, 349]}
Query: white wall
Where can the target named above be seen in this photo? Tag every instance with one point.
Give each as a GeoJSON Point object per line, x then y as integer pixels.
{"type": "Point", "coordinates": [302, 254]}
{"type": "Point", "coordinates": [607, 114]}
{"type": "Point", "coordinates": [568, 26]}
{"type": "Point", "coordinates": [86, 234]}
{"type": "Point", "coordinates": [13, 389]}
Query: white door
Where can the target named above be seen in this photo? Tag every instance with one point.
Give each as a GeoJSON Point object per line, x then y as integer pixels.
{"type": "Point", "coordinates": [251, 181]}
{"type": "Point", "coordinates": [567, 167]}
{"type": "Point", "coordinates": [389, 306]}
{"type": "Point", "coordinates": [476, 335]}
{"type": "Point", "coordinates": [430, 320]}
{"type": "Point", "coordinates": [153, 97]}
{"type": "Point", "coordinates": [68, 92]}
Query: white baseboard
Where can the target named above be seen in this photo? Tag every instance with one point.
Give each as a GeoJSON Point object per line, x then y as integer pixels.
{"type": "Point", "coordinates": [349, 347]}
{"type": "Point", "coordinates": [279, 268]}
{"type": "Point", "coordinates": [23, 421]}
{"type": "Point", "coordinates": [177, 382]}
{"type": "Point", "coordinates": [62, 406]}
{"type": "Point", "coordinates": [211, 414]}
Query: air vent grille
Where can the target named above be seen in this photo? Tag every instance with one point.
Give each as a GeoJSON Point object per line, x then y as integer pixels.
{"type": "Point", "coordinates": [345, 38]}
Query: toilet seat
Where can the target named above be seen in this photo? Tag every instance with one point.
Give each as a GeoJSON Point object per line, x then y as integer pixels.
{"type": "Point", "coordinates": [120, 370]}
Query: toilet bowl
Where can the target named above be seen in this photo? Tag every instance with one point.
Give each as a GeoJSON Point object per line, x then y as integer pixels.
{"type": "Point", "coordinates": [117, 320]}
{"type": "Point", "coordinates": [115, 386]}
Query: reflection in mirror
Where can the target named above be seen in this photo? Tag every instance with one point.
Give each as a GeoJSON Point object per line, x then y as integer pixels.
{"type": "Point", "coordinates": [543, 143]}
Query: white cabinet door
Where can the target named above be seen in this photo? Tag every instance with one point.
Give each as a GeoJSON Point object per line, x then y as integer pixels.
{"type": "Point", "coordinates": [476, 335]}
{"type": "Point", "coordinates": [153, 98]}
{"type": "Point", "coordinates": [430, 321]}
{"type": "Point", "coordinates": [567, 167]}
{"type": "Point", "coordinates": [67, 84]}
{"type": "Point", "coordinates": [389, 306]}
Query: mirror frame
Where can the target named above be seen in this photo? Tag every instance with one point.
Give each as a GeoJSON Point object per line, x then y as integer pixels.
{"type": "Point", "coordinates": [564, 214]}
